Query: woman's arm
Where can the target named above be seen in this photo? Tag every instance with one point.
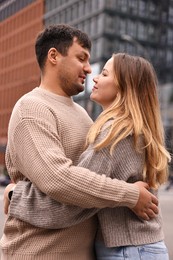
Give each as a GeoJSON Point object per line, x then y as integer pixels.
{"type": "Point", "coordinates": [31, 205]}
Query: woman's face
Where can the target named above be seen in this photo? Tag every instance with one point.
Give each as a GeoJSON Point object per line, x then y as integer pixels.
{"type": "Point", "coordinates": [104, 91]}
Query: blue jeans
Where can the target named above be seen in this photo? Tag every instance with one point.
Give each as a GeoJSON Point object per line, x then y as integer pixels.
{"type": "Point", "coordinates": [155, 251]}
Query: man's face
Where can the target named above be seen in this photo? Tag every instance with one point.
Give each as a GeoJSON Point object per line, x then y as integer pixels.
{"type": "Point", "coordinates": [73, 69]}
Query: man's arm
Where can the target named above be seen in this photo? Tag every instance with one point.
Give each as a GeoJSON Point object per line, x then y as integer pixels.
{"type": "Point", "coordinates": [39, 155]}
{"type": "Point", "coordinates": [31, 205]}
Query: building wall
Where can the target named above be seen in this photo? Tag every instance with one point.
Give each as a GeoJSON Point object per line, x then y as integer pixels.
{"type": "Point", "coordinates": [19, 70]}
{"type": "Point", "coordinates": [147, 22]}
{"type": "Point", "coordinates": [140, 27]}
{"type": "Point", "coordinates": [10, 7]}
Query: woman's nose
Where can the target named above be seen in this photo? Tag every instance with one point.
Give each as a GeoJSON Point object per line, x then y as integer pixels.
{"type": "Point", "coordinates": [95, 79]}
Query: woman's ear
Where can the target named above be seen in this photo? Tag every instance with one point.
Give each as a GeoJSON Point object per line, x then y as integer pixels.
{"type": "Point", "coordinates": [53, 55]}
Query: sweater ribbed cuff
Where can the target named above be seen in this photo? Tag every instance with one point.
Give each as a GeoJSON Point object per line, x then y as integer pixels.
{"type": "Point", "coordinates": [16, 201]}
{"type": "Point", "coordinates": [131, 195]}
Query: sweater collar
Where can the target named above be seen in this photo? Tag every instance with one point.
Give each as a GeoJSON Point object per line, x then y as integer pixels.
{"type": "Point", "coordinates": [58, 98]}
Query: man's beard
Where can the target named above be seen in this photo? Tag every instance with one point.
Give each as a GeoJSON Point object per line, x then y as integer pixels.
{"type": "Point", "coordinates": [69, 87]}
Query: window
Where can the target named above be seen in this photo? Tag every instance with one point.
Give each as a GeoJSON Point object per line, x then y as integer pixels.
{"type": "Point", "coordinates": [110, 24]}
{"type": "Point", "coordinates": [93, 26]}
{"type": "Point", "coordinates": [171, 14]}
{"type": "Point", "coordinates": [133, 7]}
{"type": "Point", "coordinates": [68, 15]}
{"type": "Point", "coordinates": [123, 5]}
{"type": "Point", "coordinates": [100, 23]}
{"type": "Point", "coordinates": [142, 30]}
{"type": "Point", "coordinates": [170, 36]}
{"type": "Point", "coordinates": [122, 26]}
{"type": "Point", "coordinates": [142, 8]}
{"type": "Point", "coordinates": [111, 4]}
{"type": "Point", "coordinates": [75, 11]}
{"type": "Point", "coordinates": [169, 57]}
{"type": "Point", "coordinates": [131, 27]}
{"type": "Point", "coordinates": [108, 47]}
{"type": "Point", "coordinates": [87, 24]}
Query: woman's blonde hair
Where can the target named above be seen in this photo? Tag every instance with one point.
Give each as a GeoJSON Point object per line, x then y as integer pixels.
{"type": "Point", "coordinates": [135, 110]}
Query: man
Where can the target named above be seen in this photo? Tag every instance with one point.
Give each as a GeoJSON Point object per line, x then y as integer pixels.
{"type": "Point", "coordinates": [47, 132]}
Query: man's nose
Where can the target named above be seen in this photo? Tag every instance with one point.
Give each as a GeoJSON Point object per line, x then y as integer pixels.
{"type": "Point", "coordinates": [87, 68]}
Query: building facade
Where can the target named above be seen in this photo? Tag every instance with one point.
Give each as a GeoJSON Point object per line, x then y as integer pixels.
{"type": "Point", "coordinates": [20, 22]}
{"type": "Point", "coordinates": [142, 27]}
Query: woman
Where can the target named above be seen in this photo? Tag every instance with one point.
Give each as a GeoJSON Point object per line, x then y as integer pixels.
{"type": "Point", "coordinates": [127, 91]}
{"type": "Point", "coordinates": [126, 142]}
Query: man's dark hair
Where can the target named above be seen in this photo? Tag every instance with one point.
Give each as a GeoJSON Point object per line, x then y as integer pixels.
{"type": "Point", "coordinates": [60, 37]}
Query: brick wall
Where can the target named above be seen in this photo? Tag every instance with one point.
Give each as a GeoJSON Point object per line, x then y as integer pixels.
{"type": "Point", "coordinates": [19, 71]}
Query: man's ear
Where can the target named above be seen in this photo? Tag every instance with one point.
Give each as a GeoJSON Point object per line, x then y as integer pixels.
{"type": "Point", "coordinates": [53, 54]}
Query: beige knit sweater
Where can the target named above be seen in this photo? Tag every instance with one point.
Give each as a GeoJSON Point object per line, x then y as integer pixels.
{"type": "Point", "coordinates": [45, 139]}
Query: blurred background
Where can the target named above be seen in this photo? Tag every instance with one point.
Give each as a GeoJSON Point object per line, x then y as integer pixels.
{"type": "Point", "coordinates": [142, 27]}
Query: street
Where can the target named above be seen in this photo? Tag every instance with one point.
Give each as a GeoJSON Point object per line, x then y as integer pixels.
{"type": "Point", "coordinates": [166, 200]}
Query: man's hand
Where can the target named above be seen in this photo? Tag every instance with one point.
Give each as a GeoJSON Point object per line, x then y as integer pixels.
{"type": "Point", "coordinates": [147, 205]}
{"type": "Point", "coordinates": [6, 199]}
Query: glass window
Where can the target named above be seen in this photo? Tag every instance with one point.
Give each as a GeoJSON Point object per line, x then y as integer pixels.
{"type": "Point", "coordinates": [133, 7]}
{"type": "Point", "coordinates": [85, 6]}
{"type": "Point", "coordinates": [111, 4]}
{"type": "Point", "coordinates": [142, 30]}
{"type": "Point", "coordinates": [151, 30]}
{"type": "Point", "coordinates": [169, 57]}
{"type": "Point", "coordinates": [68, 15]}
{"type": "Point", "coordinates": [109, 25]}
{"type": "Point", "coordinates": [99, 48]}
{"type": "Point", "coordinates": [87, 26]}
{"type": "Point", "coordinates": [93, 26]}
{"type": "Point", "coordinates": [142, 8]}
{"type": "Point", "coordinates": [81, 9]}
{"type": "Point", "coordinates": [9, 8]}
{"type": "Point", "coordinates": [75, 11]}
{"type": "Point", "coordinates": [100, 23]}
{"type": "Point", "coordinates": [131, 48]}
{"type": "Point", "coordinates": [88, 6]}
{"type": "Point", "coordinates": [171, 14]}
{"type": "Point", "coordinates": [123, 5]}
{"type": "Point", "coordinates": [93, 50]}
{"type": "Point", "coordinates": [57, 20]}
{"type": "Point", "coordinates": [152, 52]}
{"type": "Point", "coordinates": [80, 26]}
{"type": "Point", "coordinates": [154, 10]}
{"type": "Point", "coordinates": [170, 36]}
{"type": "Point", "coordinates": [122, 26]}
{"type": "Point", "coordinates": [101, 3]}
{"type": "Point", "coordinates": [94, 4]}
{"type": "Point", "coordinates": [108, 47]}
{"type": "Point", "coordinates": [131, 27]}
